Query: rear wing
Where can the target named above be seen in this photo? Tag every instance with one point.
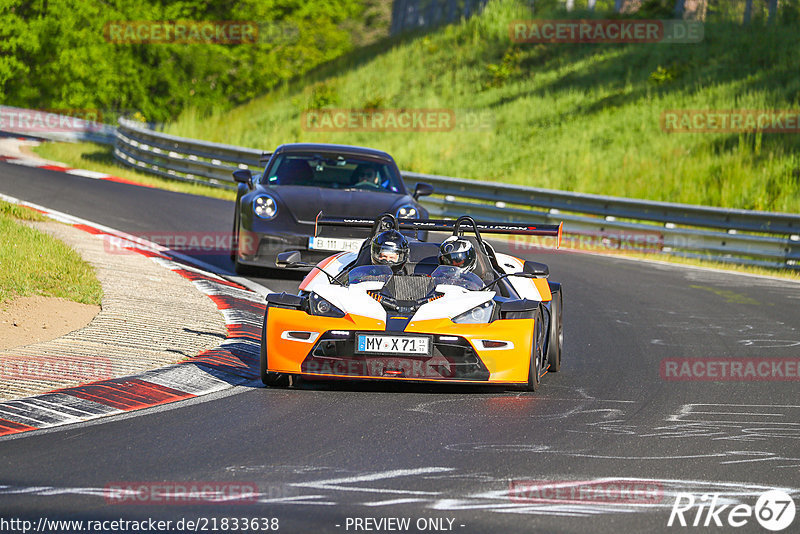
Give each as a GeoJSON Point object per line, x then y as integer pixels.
{"type": "Point", "coordinates": [443, 225]}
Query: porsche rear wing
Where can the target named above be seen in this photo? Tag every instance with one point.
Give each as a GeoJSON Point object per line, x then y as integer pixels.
{"type": "Point", "coordinates": [445, 225]}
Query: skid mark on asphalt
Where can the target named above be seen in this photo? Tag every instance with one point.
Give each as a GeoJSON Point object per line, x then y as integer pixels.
{"type": "Point", "coordinates": [716, 426]}
{"type": "Point", "coordinates": [452, 489]}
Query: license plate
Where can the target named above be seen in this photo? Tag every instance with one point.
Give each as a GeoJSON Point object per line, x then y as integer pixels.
{"type": "Point", "coordinates": [381, 344]}
{"type": "Point", "coordinates": [332, 243]}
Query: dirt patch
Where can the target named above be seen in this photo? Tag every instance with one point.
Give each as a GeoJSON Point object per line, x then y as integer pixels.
{"type": "Point", "coordinates": [28, 320]}
{"type": "Point", "coordinates": [27, 150]}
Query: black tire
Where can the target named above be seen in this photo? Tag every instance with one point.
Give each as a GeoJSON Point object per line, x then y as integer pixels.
{"type": "Point", "coordinates": [235, 239]}
{"type": "Point", "coordinates": [555, 340]}
{"type": "Point", "coordinates": [239, 268]}
{"type": "Point", "coordinates": [275, 380]}
{"type": "Point", "coordinates": [243, 270]}
{"type": "Point", "coordinates": [535, 366]}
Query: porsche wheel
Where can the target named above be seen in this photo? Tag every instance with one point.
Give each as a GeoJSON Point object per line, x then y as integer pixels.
{"type": "Point", "coordinates": [235, 239]}
{"type": "Point", "coordinates": [535, 367]}
{"type": "Point", "coordinates": [555, 340]}
{"type": "Point", "coordinates": [275, 380]}
{"type": "Point", "coordinates": [244, 270]}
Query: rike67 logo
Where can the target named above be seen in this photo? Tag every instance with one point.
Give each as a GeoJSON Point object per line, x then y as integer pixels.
{"type": "Point", "coordinates": [774, 510]}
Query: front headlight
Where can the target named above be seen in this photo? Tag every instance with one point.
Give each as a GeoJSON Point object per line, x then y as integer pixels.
{"type": "Point", "coordinates": [477, 315]}
{"type": "Point", "coordinates": [407, 212]}
{"type": "Point", "coordinates": [265, 207]}
{"type": "Point", "coordinates": [319, 306]}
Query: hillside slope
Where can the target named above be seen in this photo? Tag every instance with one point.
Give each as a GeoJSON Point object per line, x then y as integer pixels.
{"type": "Point", "coordinates": [580, 117]}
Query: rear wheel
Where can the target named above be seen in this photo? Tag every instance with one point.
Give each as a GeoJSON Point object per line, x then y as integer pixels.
{"type": "Point", "coordinates": [276, 380]}
{"type": "Point", "coordinates": [535, 367]}
{"type": "Point", "coordinates": [555, 340]}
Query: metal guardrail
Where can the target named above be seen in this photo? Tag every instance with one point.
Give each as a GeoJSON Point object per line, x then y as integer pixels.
{"type": "Point", "coordinates": [45, 124]}
{"type": "Point", "coordinates": [590, 221]}
{"type": "Point", "coordinates": [748, 237]}
{"type": "Point", "coordinates": [180, 158]}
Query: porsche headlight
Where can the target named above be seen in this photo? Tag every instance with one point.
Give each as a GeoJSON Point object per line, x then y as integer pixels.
{"type": "Point", "coordinates": [265, 207]}
{"type": "Point", "coordinates": [479, 314]}
{"type": "Point", "coordinates": [407, 212]}
{"type": "Point", "coordinates": [319, 306]}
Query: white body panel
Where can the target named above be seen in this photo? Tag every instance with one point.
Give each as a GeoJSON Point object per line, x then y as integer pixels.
{"type": "Point", "coordinates": [524, 286]}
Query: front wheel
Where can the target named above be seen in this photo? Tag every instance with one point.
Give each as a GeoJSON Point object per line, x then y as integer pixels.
{"type": "Point", "coordinates": [535, 367]}
{"type": "Point", "coordinates": [555, 340]}
{"type": "Point", "coordinates": [270, 379]}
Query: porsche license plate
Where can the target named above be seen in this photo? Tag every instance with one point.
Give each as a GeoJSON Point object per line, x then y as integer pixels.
{"type": "Point", "coordinates": [331, 243]}
{"type": "Point", "coordinates": [383, 344]}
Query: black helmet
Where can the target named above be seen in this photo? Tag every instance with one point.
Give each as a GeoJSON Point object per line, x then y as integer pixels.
{"type": "Point", "coordinates": [389, 248]}
{"type": "Point", "coordinates": [458, 252]}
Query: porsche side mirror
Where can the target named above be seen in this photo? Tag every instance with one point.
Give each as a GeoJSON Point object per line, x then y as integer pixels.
{"type": "Point", "coordinates": [535, 268]}
{"type": "Point", "coordinates": [287, 259]}
{"type": "Point", "coordinates": [243, 176]}
{"type": "Point", "coordinates": [422, 190]}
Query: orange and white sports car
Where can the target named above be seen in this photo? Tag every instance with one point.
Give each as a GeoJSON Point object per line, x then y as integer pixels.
{"type": "Point", "coordinates": [498, 323]}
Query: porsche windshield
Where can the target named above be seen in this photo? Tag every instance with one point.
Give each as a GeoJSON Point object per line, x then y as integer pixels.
{"type": "Point", "coordinates": [333, 171]}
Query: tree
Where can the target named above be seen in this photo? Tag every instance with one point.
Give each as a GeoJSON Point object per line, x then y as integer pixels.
{"type": "Point", "coordinates": [773, 9]}
{"type": "Point", "coordinates": [748, 11]}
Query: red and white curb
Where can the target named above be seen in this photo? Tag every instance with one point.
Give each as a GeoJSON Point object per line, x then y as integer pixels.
{"type": "Point", "coordinates": [40, 164]}
{"type": "Point", "coordinates": [234, 362]}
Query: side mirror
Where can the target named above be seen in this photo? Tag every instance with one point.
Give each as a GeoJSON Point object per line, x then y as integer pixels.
{"type": "Point", "coordinates": [535, 268]}
{"type": "Point", "coordinates": [287, 259]}
{"type": "Point", "coordinates": [285, 300]}
{"type": "Point", "coordinates": [243, 176]}
{"type": "Point", "coordinates": [422, 190]}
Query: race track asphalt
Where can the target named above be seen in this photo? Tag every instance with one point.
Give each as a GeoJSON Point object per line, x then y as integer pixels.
{"type": "Point", "coordinates": [326, 454]}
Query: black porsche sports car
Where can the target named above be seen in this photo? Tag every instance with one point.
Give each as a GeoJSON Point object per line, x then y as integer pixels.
{"type": "Point", "coordinates": [276, 210]}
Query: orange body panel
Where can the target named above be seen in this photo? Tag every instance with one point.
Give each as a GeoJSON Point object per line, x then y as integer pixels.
{"type": "Point", "coordinates": [285, 355]}
{"type": "Point", "coordinates": [544, 289]}
{"type": "Point", "coordinates": [505, 366]}
{"type": "Point", "coordinates": [508, 365]}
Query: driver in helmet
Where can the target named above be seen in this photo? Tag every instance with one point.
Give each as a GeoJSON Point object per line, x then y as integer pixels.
{"type": "Point", "coordinates": [365, 173]}
{"type": "Point", "coordinates": [458, 252]}
{"type": "Point", "coordinates": [389, 247]}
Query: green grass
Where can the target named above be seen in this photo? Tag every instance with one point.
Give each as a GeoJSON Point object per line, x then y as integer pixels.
{"type": "Point", "coordinates": [22, 213]}
{"type": "Point", "coordinates": [34, 263]}
{"type": "Point", "coordinates": [96, 157]}
{"type": "Point", "coordinates": [576, 117]}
